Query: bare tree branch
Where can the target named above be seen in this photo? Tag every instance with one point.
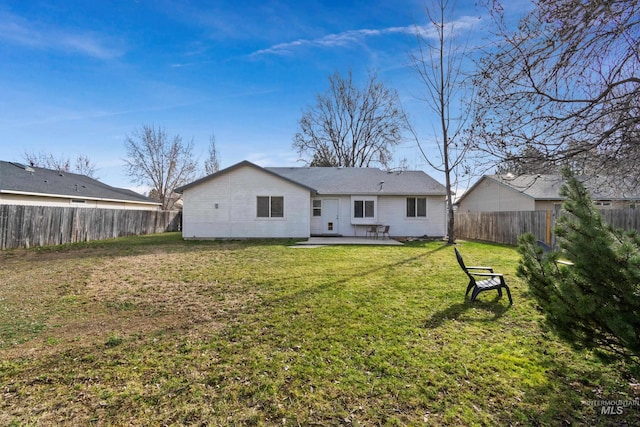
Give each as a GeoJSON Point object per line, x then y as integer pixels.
{"type": "Point", "coordinates": [212, 162]}
{"type": "Point", "coordinates": [82, 166]}
{"type": "Point", "coordinates": [350, 126]}
{"type": "Point", "coordinates": [163, 164]}
{"type": "Point", "coordinates": [439, 66]}
{"type": "Point", "coordinates": [566, 82]}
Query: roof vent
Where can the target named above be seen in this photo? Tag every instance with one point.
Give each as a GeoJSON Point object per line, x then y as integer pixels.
{"type": "Point", "coordinates": [21, 166]}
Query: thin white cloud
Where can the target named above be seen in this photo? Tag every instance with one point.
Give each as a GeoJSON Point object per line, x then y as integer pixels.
{"type": "Point", "coordinates": [329, 41]}
{"type": "Point", "coordinates": [353, 37]}
{"type": "Point", "coordinates": [18, 31]}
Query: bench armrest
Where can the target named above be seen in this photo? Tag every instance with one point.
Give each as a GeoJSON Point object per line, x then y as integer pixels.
{"type": "Point", "coordinates": [481, 268]}
{"type": "Point", "coordinates": [488, 274]}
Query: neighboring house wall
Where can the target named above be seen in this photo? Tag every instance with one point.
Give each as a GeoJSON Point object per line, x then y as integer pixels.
{"type": "Point", "coordinates": [489, 195]}
{"type": "Point", "coordinates": [615, 204]}
{"type": "Point", "coordinates": [501, 193]}
{"type": "Point", "coordinates": [227, 207]}
{"type": "Point", "coordinates": [66, 202]}
{"type": "Point", "coordinates": [546, 205]}
{"type": "Point", "coordinates": [549, 205]}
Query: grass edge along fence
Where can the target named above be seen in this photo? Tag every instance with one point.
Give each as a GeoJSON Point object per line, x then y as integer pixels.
{"type": "Point", "coordinates": [505, 227]}
{"type": "Point", "coordinates": [27, 226]}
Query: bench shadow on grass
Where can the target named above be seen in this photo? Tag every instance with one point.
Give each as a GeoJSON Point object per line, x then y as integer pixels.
{"type": "Point", "coordinates": [494, 309]}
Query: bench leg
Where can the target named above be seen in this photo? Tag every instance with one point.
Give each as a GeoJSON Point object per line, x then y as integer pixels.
{"type": "Point", "coordinates": [509, 295]}
{"type": "Point", "coordinates": [469, 287]}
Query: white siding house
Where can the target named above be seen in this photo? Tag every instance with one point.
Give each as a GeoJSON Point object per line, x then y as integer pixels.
{"type": "Point", "coordinates": [248, 201]}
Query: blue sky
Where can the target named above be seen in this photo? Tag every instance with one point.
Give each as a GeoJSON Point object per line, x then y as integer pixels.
{"type": "Point", "coordinates": [77, 77]}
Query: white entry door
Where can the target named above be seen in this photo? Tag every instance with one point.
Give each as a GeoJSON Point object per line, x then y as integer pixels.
{"type": "Point", "coordinates": [330, 216]}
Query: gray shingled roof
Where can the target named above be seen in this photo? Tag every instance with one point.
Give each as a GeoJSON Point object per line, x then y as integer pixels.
{"type": "Point", "coordinates": [341, 181]}
{"type": "Point", "coordinates": [547, 187]}
{"type": "Point", "coordinates": [346, 181]}
{"type": "Point", "coordinates": [18, 178]}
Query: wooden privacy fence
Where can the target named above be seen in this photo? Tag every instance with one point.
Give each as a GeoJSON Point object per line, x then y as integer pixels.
{"type": "Point", "coordinates": [25, 226]}
{"type": "Point", "coordinates": [505, 227]}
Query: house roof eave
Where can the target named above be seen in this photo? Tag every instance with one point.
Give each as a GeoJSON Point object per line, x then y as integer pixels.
{"type": "Point", "coordinates": [79, 197]}
{"type": "Point", "coordinates": [238, 166]}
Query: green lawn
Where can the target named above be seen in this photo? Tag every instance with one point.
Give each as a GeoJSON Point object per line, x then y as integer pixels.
{"type": "Point", "coordinates": [155, 330]}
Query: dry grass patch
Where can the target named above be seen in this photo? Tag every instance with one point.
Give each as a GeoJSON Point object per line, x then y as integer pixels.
{"type": "Point", "coordinates": [55, 299]}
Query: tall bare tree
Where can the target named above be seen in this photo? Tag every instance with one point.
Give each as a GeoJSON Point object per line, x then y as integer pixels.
{"type": "Point", "coordinates": [83, 164]}
{"type": "Point", "coordinates": [351, 126]}
{"type": "Point", "coordinates": [212, 162]}
{"type": "Point", "coordinates": [566, 82]}
{"type": "Point", "coordinates": [160, 162]}
{"type": "Point", "coordinates": [438, 62]}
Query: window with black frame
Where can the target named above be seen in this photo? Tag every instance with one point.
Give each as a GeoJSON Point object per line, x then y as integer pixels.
{"type": "Point", "coordinates": [416, 207]}
{"type": "Point", "coordinates": [270, 207]}
{"type": "Point", "coordinates": [363, 209]}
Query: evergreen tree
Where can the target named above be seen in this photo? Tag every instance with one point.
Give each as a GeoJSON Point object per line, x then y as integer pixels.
{"type": "Point", "coordinates": [594, 302]}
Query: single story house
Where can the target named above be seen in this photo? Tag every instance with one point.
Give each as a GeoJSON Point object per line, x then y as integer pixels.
{"type": "Point", "coordinates": [249, 201]}
{"type": "Point", "coordinates": [30, 185]}
{"type": "Point", "coordinates": [496, 193]}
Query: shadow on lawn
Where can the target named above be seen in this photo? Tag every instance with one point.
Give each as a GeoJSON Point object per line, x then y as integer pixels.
{"type": "Point", "coordinates": [349, 276]}
{"type": "Point", "coordinates": [494, 309]}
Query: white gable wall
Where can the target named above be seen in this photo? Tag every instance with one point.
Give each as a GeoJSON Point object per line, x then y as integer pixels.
{"type": "Point", "coordinates": [490, 195]}
{"type": "Point", "coordinates": [235, 193]}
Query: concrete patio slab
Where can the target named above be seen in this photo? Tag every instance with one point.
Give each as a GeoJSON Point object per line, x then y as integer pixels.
{"type": "Point", "coordinates": [326, 241]}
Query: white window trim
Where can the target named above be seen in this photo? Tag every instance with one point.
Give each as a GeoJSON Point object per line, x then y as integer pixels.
{"type": "Point", "coordinates": [270, 218]}
{"type": "Point", "coordinates": [364, 220]}
{"type": "Point", "coordinates": [416, 217]}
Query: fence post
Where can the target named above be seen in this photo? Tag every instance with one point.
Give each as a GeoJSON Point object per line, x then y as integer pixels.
{"type": "Point", "coordinates": [548, 231]}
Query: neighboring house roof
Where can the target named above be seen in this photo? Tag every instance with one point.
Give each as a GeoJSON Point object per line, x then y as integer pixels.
{"type": "Point", "coordinates": [16, 178]}
{"type": "Point", "coordinates": [346, 181]}
{"type": "Point", "coordinates": [547, 187]}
